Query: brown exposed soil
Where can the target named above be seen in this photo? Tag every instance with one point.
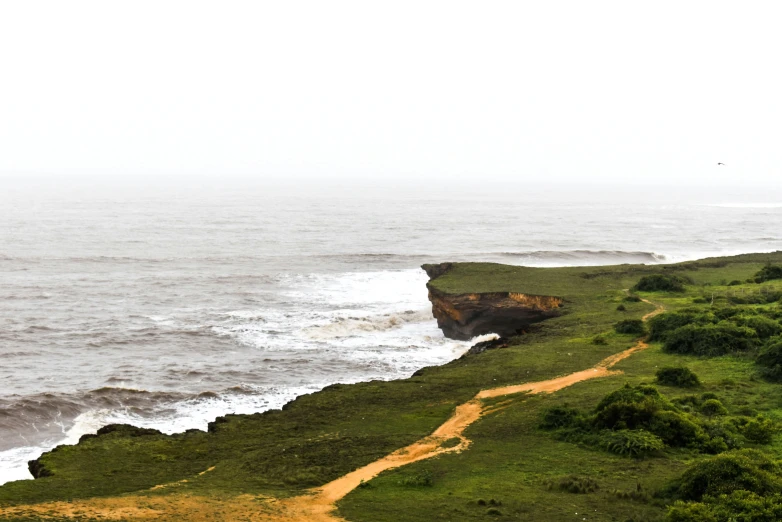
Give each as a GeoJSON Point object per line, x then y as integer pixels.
{"type": "Point", "coordinates": [318, 504]}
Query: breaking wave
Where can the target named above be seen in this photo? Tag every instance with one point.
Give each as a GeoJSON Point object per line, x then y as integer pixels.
{"type": "Point", "coordinates": [587, 257]}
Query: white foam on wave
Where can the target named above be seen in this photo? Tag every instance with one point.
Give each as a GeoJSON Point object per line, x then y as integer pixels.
{"type": "Point", "coordinates": [194, 413]}
{"type": "Point", "coordinates": [352, 326]}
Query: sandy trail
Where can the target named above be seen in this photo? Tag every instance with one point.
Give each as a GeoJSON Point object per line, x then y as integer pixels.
{"type": "Point", "coordinates": [319, 504]}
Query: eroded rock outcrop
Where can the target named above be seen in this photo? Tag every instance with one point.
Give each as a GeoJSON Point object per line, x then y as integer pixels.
{"type": "Point", "coordinates": [464, 316]}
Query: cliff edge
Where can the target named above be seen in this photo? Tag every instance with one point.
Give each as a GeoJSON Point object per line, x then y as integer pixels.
{"type": "Point", "coordinates": [464, 316]}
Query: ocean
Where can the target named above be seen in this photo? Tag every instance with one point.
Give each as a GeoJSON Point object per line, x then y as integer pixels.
{"type": "Point", "coordinates": [166, 304]}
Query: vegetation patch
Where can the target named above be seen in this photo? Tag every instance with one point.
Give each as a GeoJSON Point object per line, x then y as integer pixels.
{"type": "Point", "coordinates": [711, 339]}
{"type": "Point", "coordinates": [679, 376]}
{"type": "Point", "coordinates": [770, 360]}
{"type": "Point", "coordinates": [738, 485]}
{"type": "Point", "coordinates": [422, 479]}
{"type": "Point", "coordinates": [660, 283]}
{"type": "Point", "coordinates": [768, 273]}
{"type": "Point", "coordinates": [630, 326]}
{"type": "Point", "coordinates": [638, 421]}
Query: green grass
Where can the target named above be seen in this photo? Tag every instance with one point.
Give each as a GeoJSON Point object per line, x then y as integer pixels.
{"type": "Point", "coordinates": [322, 436]}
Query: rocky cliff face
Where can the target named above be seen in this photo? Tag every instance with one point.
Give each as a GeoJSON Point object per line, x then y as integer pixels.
{"type": "Point", "coordinates": [463, 316]}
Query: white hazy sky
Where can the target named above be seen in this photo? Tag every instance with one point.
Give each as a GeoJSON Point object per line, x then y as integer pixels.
{"type": "Point", "coordinates": [553, 90]}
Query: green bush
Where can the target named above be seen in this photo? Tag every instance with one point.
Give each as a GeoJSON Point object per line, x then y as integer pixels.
{"type": "Point", "coordinates": [599, 340]}
{"type": "Point", "coordinates": [690, 512]}
{"type": "Point", "coordinates": [677, 376]}
{"type": "Point", "coordinates": [770, 360]}
{"type": "Point", "coordinates": [715, 445]}
{"type": "Point", "coordinates": [747, 506]}
{"type": "Point", "coordinates": [631, 443]}
{"type": "Point", "coordinates": [721, 474]}
{"type": "Point", "coordinates": [643, 408]}
{"type": "Point", "coordinates": [638, 421]}
{"type": "Point", "coordinates": [738, 506]}
{"type": "Point", "coordinates": [661, 325]}
{"type": "Point", "coordinates": [559, 417]}
{"type": "Point", "coordinates": [632, 299]}
{"type": "Point", "coordinates": [629, 407]}
{"type": "Point", "coordinates": [763, 326]}
{"type": "Point", "coordinates": [676, 429]}
{"type": "Point", "coordinates": [768, 272]}
{"type": "Point", "coordinates": [630, 326]}
{"type": "Point", "coordinates": [713, 408]}
{"type": "Point", "coordinates": [759, 430]}
{"type": "Point", "coordinates": [621, 308]}
{"type": "Point", "coordinates": [710, 339]}
{"type": "Point", "coordinates": [421, 479]}
{"type": "Point", "coordinates": [660, 283]}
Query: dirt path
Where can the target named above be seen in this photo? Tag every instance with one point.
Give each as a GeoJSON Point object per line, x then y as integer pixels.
{"type": "Point", "coordinates": [318, 505]}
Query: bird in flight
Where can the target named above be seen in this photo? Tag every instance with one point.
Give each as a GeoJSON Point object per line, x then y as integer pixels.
{"type": "Point", "coordinates": [720, 163]}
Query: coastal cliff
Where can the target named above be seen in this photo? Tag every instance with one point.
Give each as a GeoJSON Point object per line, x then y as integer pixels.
{"type": "Point", "coordinates": [464, 316]}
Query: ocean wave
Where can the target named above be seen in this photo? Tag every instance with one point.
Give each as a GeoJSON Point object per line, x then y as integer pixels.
{"type": "Point", "coordinates": [352, 326]}
{"type": "Point", "coordinates": [69, 418]}
{"type": "Point", "coordinates": [587, 255]}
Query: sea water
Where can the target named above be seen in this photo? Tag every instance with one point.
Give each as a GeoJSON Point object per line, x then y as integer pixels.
{"type": "Point", "coordinates": [164, 305]}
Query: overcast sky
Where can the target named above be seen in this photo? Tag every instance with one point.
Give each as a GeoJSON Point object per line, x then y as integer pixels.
{"type": "Point", "coordinates": [551, 90]}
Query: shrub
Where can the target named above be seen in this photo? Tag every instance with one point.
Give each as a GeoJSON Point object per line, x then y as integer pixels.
{"type": "Point", "coordinates": [660, 283]}
{"type": "Point", "coordinates": [710, 339]}
{"type": "Point", "coordinates": [759, 430]}
{"type": "Point", "coordinates": [677, 376]}
{"type": "Point", "coordinates": [631, 443]}
{"type": "Point", "coordinates": [599, 340]}
{"type": "Point", "coordinates": [559, 417]}
{"type": "Point", "coordinates": [690, 512]}
{"type": "Point", "coordinates": [661, 325]}
{"type": "Point", "coordinates": [745, 469]}
{"type": "Point", "coordinates": [700, 300]}
{"type": "Point", "coordinates": [676, 429]}
{"type": "Point", "coordinates": [768, 272]}
{"type": "Point", "coordinates": [422, 479]}
{"type": "Point", "coordinates": [632, 299]}
{"type": "Point", "coordinates": [713, 408]}
{"type": "Point", "coordinates": [735, 282]}
{"type": "Point", "coordinates": [630, 326]}
{"type": "Point", "coordinates": [747, 506]}
{"type": "Point", "coordinates": [643, 408]}
{"type": "Point", "coordinates": [740, 505]}
{"type": "Point", "coordinates": [770, 359]}
{"type": "Point", "coordinates": [763, 326]}
{"type": "Point", "coordinates": [727, 312]}
{"type": "Point", "coordinates": [715, 445]}
{"type": "Point", "coordinates": [621, 308]}
{"type": "Point", "coordinates": [629, 406]}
